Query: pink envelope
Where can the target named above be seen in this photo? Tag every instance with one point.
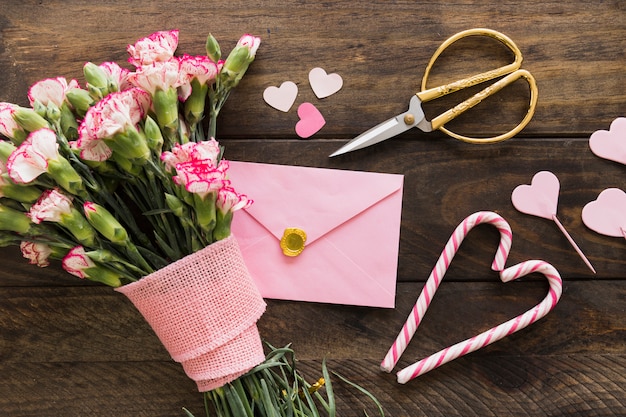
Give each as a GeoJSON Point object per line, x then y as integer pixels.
{"type": "Point", "coordinates": [352, 223]}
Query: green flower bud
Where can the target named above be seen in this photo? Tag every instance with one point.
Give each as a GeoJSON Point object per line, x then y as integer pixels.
{"type": "Point", "coordinates": [96, 78]}
{"type": "Point", "coordinates": [14, 221]}
{"type": "Point", "coordinates": [237, 60]}
{"type": "Point", "coordinates": [153, 134]}
{"type": "Point", "coordinates": [18, 192]}
{"type": "Point", "coordinates": [165, 105]}
{"type": "Point", "coordinates": [174, 204]}
{"type": "Point", "coordinates": [80, 99]}
{"type": "Point", "coordinates": [213, 50]}
{"type": "Point", "coordinates": [53, 113]}
{"type": "Point", "coordinates": [6, 149]}
{"type": "Point", "coordinates": [104, 222]}
{"type": "Point", "coordinates": [79, 228]}
{"type": "Point", "coordinates": [195, 103]}
{"type": "Point", "coordinates": [66, 176]}
{"type": "Point", "coordinates": [103, 275]}
{"type": "Point", "coordinates": [29, 120]}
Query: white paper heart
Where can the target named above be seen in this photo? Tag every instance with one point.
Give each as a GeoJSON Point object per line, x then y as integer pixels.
{"type": "Point", "coordinates": [610, 144]}
{"type": "Point", "coordinates": [281, 98]}
{"type": "Point", "coordinates": [607, 214]}
{"type": "Point", "coordinates": [323, 84]}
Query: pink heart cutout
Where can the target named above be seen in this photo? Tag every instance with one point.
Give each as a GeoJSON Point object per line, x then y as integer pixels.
{"type": "Point", "coordinates": [607, 214]}
{"type": "Point", "coordinates": [323, 84]}
{"type": "Point", "coordinates": [610, 144]}
{"type": "Point", "coordinates": [281, 98]}
{"type": "Point", "coordinates": [540, 198]}
{"type": "Point", "coordinates": [311, 120]}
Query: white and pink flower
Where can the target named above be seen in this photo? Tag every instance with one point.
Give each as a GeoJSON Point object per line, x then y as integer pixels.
{"type": "Point", "coordinates": [51, 207]}
{"type": "Point", "coordinates": [158, 47]}
{"type": "Point", "coordinates": [8, 126]}
{"type": "Point", "coordinates": [228, 200]}
{"type": "Point", "coordinates": [201, 177]}
{"type": "Point", "coordinates": [159, 76]}
{"type": "Point", "coordinates": [199, 67]}
{"type": "Point", "coordinates": [36, 253]}
{"type": "Point", "coordinates": [30, 159]}
{"type": "Point", "coordinates": [50, 91]}
{"type": "Point", "coordinates": [208, 150]}
{"type": "Point", "coordinates": [76, 262]}
{"type": "Point", "coordinates": [251, 42]}
{"type": "Point", "coordinates": [117, 75]}
{"type": "Point", "coordinates": [111, 115]}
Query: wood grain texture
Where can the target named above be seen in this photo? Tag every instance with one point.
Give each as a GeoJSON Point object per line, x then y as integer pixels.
{"type": "Point", "coordinates": [72, 348]}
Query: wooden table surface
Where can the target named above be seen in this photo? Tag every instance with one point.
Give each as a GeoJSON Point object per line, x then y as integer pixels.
{"type": "Point", "coordinates": [70, 348]}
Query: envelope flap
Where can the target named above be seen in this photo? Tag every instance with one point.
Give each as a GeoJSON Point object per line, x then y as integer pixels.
{"type": "Point", "coordinates": [316, 200]}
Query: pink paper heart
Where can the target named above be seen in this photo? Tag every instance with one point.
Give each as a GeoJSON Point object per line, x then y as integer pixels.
{"type": "Point", "coordinates": [311, 120]}
{"type": "Point", "coordinates": [610, 144]}
{"type": "Point", "coordinates": [607, 214]}
{"type": "Point", "coordinates": [281, 98]}
{"type": "Point", "coordinates": [324, 84]}
{"type": "Point", "coordinates": [540, 198]}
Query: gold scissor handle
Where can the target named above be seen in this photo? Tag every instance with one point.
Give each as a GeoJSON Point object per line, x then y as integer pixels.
{"type": "Point", "coordinates": [512, 69]}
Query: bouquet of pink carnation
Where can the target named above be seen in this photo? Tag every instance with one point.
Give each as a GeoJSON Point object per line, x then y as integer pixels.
{"type": "Point", "coordinates": [122, 180]}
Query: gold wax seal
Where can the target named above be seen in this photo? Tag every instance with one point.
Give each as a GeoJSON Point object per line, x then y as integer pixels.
{"type": "Point", "coordinates": [292, 242]}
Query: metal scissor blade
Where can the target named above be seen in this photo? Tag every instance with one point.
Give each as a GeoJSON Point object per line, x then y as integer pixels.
{"type": "Point", "coordinates": [385, 130]}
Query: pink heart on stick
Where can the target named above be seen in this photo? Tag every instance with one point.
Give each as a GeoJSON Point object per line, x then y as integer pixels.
{"type": "Point", "coordinates": [311, 120]}
{"type": "Point", "coordinates": [607, 214]}
{"type": "Point", "coordinates": [610, 144]}
{"type": "Point", "coordinates": [540, 198]}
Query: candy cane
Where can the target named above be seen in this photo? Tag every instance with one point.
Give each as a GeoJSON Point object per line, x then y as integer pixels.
{"type": "Point", "coordinates": [492, 335]}
{"type": "Point", "coordinates": [418, 311]}
{"type": "Point", "coordinates": [495, 333]}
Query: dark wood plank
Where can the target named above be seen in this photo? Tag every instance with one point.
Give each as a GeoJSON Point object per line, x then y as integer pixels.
{"type": "Point", "coordinates": [575, 52]}
{"type": "Point", "coordinates": [48, 370]}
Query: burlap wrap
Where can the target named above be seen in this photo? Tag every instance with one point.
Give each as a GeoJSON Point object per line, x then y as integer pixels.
{"type": "Point", "coordinates": [204, 309]}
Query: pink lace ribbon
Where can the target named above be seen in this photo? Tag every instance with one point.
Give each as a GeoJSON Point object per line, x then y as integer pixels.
{"type": "Point", "coordinates": [204, 309]}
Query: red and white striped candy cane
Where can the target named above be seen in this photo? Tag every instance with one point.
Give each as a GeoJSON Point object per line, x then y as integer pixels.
{"type": "Point", "coordinates": [495, 333]}
{"type": "Point", "coordinates": [418, 311]}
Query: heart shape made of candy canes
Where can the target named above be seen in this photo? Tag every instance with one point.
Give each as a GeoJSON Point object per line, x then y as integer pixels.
{"type": "Point", "coordinates": [323, 84]}
{"type": "Point", "coordinates": [281, 98]}
{"type": "Point", "coordinates": [487, 337]}
{"type": "Point", "coordinates": [540, 198]}
{"type": "Point", "coordinates": [607, 214]}
{"type": "Point", "coordinates": [311, 120]}
{"type": "Point", "coordinates": [610, 144]}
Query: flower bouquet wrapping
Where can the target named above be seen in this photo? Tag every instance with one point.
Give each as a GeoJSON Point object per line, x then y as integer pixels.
{"type": "Point", "coordinates": [123, 182]}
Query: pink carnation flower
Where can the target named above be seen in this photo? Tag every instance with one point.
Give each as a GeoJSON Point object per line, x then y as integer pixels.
{"type": "Point", "coordinates": [191, 151]}
{"type": "Point", "coordinates": [158, 47]}
{"type": "Point", "coordinates": [117, 75]}
{"type": "Point", "coordinates": [8, 125]}
{"type": "Point", "coordinates": [30, 159]}
{"type": "Point", "coordinates": [251, 42]}
{"type": "Point", "coordinates": [111, 115]}
{"type": "Point", "coordinates": [51, 206]}
{"type": "Point", "coordinates": [50, 90]}
{"type": "Point", "coordinates": [77, 261]}
{"type": "Point", "coordinates": [159, 75]}
{"type": "Point", "coordinates": [200, 67]}
{"type": "Point", "coordinates": [36, 253]}
{"type": "Point", "coordinates": [201, 177]}
{"type": "Point", "coordinates": [228, 200]}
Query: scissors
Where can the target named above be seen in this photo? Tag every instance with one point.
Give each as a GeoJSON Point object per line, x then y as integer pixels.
{"type": "Point", "coordinates": [415, 117]}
